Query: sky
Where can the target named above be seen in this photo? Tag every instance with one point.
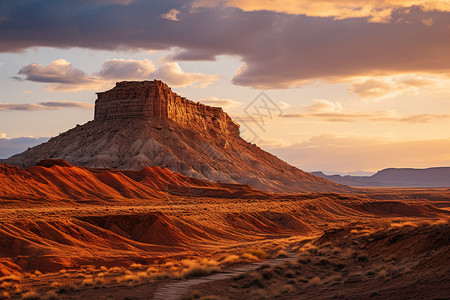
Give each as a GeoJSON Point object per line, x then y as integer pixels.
{"type": "Point", "coordinates": [343, 86]}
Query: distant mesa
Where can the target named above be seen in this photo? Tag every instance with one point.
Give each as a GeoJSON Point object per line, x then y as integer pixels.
{"type": "Point", "coordinates": [140, 124]}
{"type": "Point", "coordinates": [396, 177]}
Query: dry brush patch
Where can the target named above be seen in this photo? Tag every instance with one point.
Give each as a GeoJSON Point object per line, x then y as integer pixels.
{"type": "Point", "coordinates": [342, 262]}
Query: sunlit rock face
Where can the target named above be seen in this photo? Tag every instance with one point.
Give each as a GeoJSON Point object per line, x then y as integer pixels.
{"type": "Point", "coordinates": [154, 99]}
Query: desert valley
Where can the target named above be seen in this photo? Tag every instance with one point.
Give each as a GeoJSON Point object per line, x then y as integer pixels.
{"type": "Point", "coordinates": [160, 198]}
{"type": "Point", "coordinates": [225, 149]}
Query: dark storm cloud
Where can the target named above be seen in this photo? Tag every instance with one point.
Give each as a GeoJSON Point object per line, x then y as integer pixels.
{"type": "Point", "coordinates": [278, 50]}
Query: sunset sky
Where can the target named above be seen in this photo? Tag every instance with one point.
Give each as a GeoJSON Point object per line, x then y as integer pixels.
{"type": "Point", "coordinates": [358, 85]}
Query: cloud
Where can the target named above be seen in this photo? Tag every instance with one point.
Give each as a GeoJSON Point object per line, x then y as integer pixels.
{"type": "Point", "coordinates": [350, 153]}
{"type": "Point", "coordinates": [172, 15]}
{"type": "Point", "coordinates": [172, 73]}
{"type": "Point", "coordinates": [374, 10]}
{"type": "Point", "coordinates": [226, 104]}
{"type": "Point", "coordinates": [9, 147]}
{"type": "Point", "coordinates": [62, 76]}
{"type": "Point", "coordinates": [58, 71]}
{"type": "Point", "coordinates": [278, 50]}
{"type": "Point", "coordinates": [333, 112]}
{"type": "Point", "coordinates": [323, 106]}
{"type": "Point", "coordinates": [283, 105]}
{"type": "Point", "coordinates": [127, 69]}
{"type": "Point", "coordinates": [382, 87]}
{"type": "Point", "coordinates": [48, 105]}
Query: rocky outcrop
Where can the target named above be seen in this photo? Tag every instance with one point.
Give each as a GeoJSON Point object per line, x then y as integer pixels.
{"type": "Point", "coordinates": [140, 124]}
{"type": "Point", "coordinates": [154, 99]}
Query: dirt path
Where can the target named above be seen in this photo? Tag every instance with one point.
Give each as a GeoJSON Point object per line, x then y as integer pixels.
{"type": "Point", "coordinates": [176, 290]}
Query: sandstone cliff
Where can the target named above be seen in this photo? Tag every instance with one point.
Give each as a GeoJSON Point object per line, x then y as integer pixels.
{"type": "Point", "coordinates": [154, 99]}
{"type": "Point", "coordinates": [139, 124]}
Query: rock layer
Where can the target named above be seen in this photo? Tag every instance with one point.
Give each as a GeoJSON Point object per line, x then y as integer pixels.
{"type": "Point", "coordinates": [154, 99]}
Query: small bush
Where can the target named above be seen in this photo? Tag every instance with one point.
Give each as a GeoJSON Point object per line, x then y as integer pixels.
{"type": "Point", "coordinates": [315, 281]}
{"type": "Point", "coordinates": [197, 270]}
{"type": "Point", "coordinates": [67, 288]}
{"type": "Point", "coordinates": [281, 253]}
{"type": "Point", "coordinates": [51, 295]}
{"type": "Point", "coordinates": [31, 295]}
{"type": "Point", "coordinates": [136, 266]}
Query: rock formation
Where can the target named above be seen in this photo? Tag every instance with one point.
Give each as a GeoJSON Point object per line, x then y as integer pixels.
{"type": "Point", "coordinates": [154, 99]}
{"type": "Point", "coordinates": [140, 124]}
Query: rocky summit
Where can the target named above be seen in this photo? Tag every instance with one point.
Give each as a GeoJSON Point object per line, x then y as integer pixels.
{"type": "Point", "coordinates": [143, 123]}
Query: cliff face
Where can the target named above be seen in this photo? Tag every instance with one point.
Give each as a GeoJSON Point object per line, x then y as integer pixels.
{"type": "Point", "coordinates": [154, 99]}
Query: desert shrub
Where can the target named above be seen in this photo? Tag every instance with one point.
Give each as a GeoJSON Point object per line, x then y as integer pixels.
{"type": "Point", "coordinates": [382, 273]}
{"type": "Point", "coordinates": [208, 262]}
{"type": "Point", "coordinates": [128, 278]}
{"type": "Point", "coordinates": [31, 295]}
{"type": "Point", "coordinates": [197, 270]}
{"type": "Point", "coordinates": [289, 274]}
{"type": "Point", "coordinates": [281, 253]}
{"type": "Point", "coordinates": [267, 274]}
{"type": "Point", "coordinates": [135, 266]}
{"type": "Point", "coordinates": [169, 264]}
{"type": "Point", "coordinates": [339, 267]}
{"type": "Point", "coordinates": [67, 288]}
{"type": "Point", "coordinates": [50, 295]}
{"type": "Point", "coordinates": [304, 260]}
{"type": "Point", "coordinates": [116, 270]}
{"type": "Point", "coordinates": [249, 256]}
{"type": "Point", "coordinates": [103, 268]}
{"type": "Point", "coordinates": [362, 258]}
{"type": "Point", "coordinates": [151, 270]}
{"type": "Point", "coordinates": [230, 259]}
{"type": "Point", "coordinates": [259, 253]}
{"type": "Point", "coordinates": [315, 281]}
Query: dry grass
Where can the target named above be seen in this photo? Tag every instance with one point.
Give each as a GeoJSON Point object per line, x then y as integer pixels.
{"type": "Point", "coordinates": [197, 270]}
{"type": "Point", "coordinates": [230, 259]}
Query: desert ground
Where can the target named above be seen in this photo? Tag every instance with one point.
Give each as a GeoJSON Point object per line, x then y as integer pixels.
{"type": "Point", "coordinates": [76, 233]}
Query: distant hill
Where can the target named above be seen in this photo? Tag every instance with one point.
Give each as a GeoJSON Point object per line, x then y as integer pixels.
{"type": "Point", "coordinates": [393, 177]}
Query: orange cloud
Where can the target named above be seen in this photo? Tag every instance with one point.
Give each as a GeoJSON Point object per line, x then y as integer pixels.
{"type": "Point", "coordinates": [381, 87]}
{"type": "Point", "coordinates": [333, 112]}
{"type": "Point", "coordinates": [374, 10]}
